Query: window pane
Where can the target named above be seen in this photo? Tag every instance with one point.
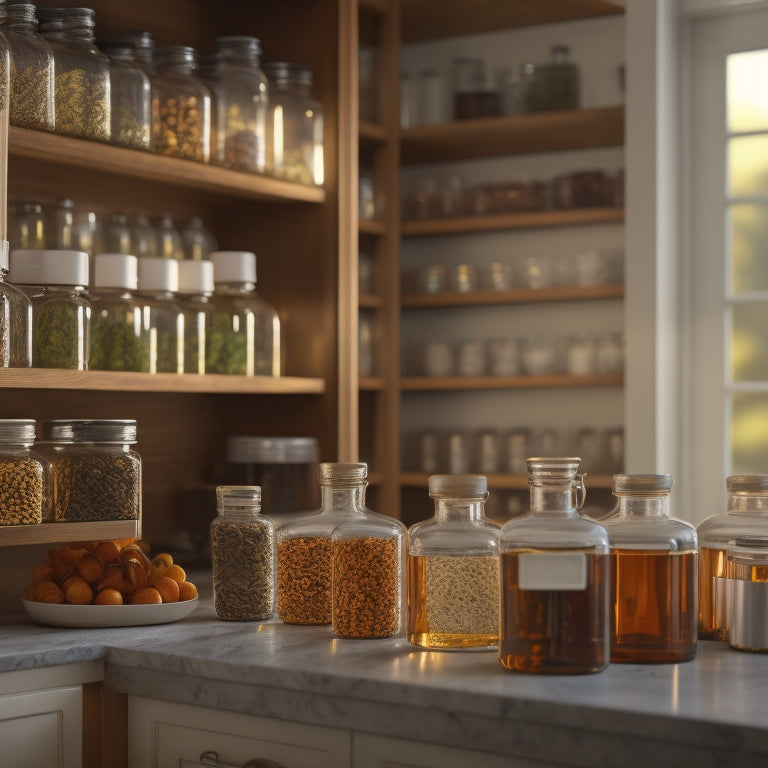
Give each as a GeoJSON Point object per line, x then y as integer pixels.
{"type": "Point", "coordinates": [748, 231]}
{"type": "Point", "coordinates": [749, 341]}
{"type": "Point", "coordinates": [749, 433]}
{"type": "Point", "coordinates": [747, 74]}
{"type": "Point", "coordinates": [748, 166]}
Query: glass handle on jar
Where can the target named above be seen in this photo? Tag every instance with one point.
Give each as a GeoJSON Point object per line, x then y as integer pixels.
{"type": "Point", "coordinates": [579, 490]}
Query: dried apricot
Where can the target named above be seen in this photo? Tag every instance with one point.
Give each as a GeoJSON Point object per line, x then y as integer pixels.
{"type": "Point", "coordinates": [71, 555]}
{"type": "Point", "coordinates": [187, 591]}
{"type": "Point", "coordinates": [78, 591]}
{"type": "Point", "coordinates": [48, 592]}
{"type": "Point", "coordinates": [90, 567]}
{"type": "Point", "coordinates": [168, 589]}
{"type": "Point", "coordinates": [108, 552]}
{"type": "Point", "coordinates": [177, 573]}
{"type": "Point", "coordinates": [42, 572]}
{"type": "Point", "coordinates": [114, 578]}
{"type": "Point", "coordinates": [146, 595]}
{"type": "Point", "coordinates": [108, 597]}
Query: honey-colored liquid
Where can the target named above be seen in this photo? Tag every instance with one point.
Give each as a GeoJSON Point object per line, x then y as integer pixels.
{"type": "Point", "coordinates": [711, 566]}
{"type": "Point", "coordinates": [556, 632]}
{"type": "Point", "coordinates": [654, 605]}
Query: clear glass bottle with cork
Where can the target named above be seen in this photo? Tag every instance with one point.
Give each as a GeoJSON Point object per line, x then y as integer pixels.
{"type": "Point", "coordinates": [304, 545]}
{"type": "Point", "coordinates": [654, 567]}
{"type": "Point", "coordinates": [453, 582]}
{"type": "Point", "coordinates": [194, 297]}
{"type": "Point", "coordinates": [555, 578]}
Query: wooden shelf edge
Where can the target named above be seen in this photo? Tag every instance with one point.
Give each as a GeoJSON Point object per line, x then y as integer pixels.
{"type": "Point", "coordinates": [52, 533]}
{"type": "Point", "coordinates": [514, 296]}
{"type": "Point", "coordinates": [427, 383]}
{"type": "Point", "coordinates": [370, 383]}
{"type": "Point", "coordinates": [500, 481]}
{"type": "Point", "coordinates": [372, 227]}
{"type": "Point", "coordinates": [372, 133]}
{"type": "Point", "coordinates": [370, 301]}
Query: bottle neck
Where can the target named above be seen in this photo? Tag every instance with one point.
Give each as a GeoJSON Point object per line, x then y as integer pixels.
{"type": "Point", "coordinates": [239, 514]}
{"type": "Point", "coordinates": [553, 501]}
{"type": "Point", "coordinates": [644, 506]}
{"type": "Point", "coordinates": [459, 510]}
{"type": "Point", "coordinates": [740, 504]}
{"type": "Point", "coordinates": [346, 501]}
{"type": "Point", "coordinates": [233, 287]}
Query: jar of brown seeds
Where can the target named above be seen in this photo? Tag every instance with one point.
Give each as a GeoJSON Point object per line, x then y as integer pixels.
{"type": "Point", "coordinates": [22, 474]}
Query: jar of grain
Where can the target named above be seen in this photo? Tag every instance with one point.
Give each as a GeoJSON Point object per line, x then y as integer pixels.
{"type": "Point", "coordinates": [22, 474]}
{"type": "Point", "coordinates": [243, 555]}
{"type": "Point", "coordinates": [304, 546]}
{"type": "Point", "coordinates": [95, 472]}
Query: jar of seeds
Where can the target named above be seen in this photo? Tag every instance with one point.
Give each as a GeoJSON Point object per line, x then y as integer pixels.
{"type": "Point", "coordinates": [304, 546]}
{"type": "Point", "coordinates": [22, 474]}
{"type": "Point", "coordinates": [243, 555]}
{"type": "Point", "coordinates": [95, 472]}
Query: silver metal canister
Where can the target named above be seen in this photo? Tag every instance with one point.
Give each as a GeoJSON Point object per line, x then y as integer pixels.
{"type": "Point", "coordinates": [746, 594]}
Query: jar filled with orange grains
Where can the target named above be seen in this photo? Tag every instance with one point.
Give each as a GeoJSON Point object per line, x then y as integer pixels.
{"type": "Point", "coordinates": [654, 567]}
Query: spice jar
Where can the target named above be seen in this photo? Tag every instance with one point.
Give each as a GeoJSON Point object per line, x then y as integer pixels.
{"type": "Point", "coordinates": [168, 239]}
{"type": "Point", "coordinates": [555, 578]}
{"type": "Point", "coordinates": [562, 79]}
{"type": "Point", "coordinates": [95, 472]}
{"type": "Point", "coordinates": [241, 104]}
{"type": "Point", "coordinates": [22, 474]}
{"type": "Point", "coordinates": [294, 125]}
{"type": "Point", "coordinates": [120, 341]}
{"type": "Point", "coordinates": [304, 546]}
{"type": "Point", "coordinates": [244, 335]}
{"type": "Point", "coordinates": [196, 241]}
{"type": "Point", "coordinates": [243, 556]}
{"type": "Point", "coordinates": [454, 569]}
{"type": "Point", "coordinates": [15, 320]}
{"type": "Point", "coordinates": [654, 574]}
{"type": "Point", "coordinates": [143, 237]}
{"type": "Point", "coordinates": [143, 43]}
{"type": "Point", "coordinates": [81, 71]}
{"type": "Point", "coordinates": [368, 585]}
{"type": "Point", "coordinates": [28, 226]}
{"type": "Point", "coordinates": [55, 282]}
{"type": "Point", "coordinates": [181, 106]}
{"type": "Point", "coordinates": [117, 234]}
{"type": "Point", "coordinates": [32, 91]}
{"type": "Point", "coordinates": [747, 515]}
{"type": "Point", "coordinates": [194, 298]}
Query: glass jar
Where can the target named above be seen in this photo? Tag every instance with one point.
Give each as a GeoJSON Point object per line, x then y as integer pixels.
{"type": "Point", "coordinates": [158, 284]}
{"type": "Point", "coordinates": [244, 336]}
{"type": "Point", "coordinates": [130, 98]}
{"type": "Point", "coordinates": [181, 106]}
{"type": "Point", "coordinates": [243, 556]}
{"type": "Point", "coordinates": [563, 80]}
{"type": "Point", "coordinates": [304, 546]}
{"type": "Point", "coordinates": [474, 95]}
{"type": "Point", "coordinates": [81, 70]}
{"type": "Point", "coordinates": [196, 241]}
{"type": "Point", "coordinates": [241, 103]}
{"type": "Point", "coordinates": [168, 239]}
{"type": "Point", "coordinates": [95, 471]}
{"type": "Point", "coordinates": [294, 125]}
{"type": "Point", "coordinates": [117, 234]}
{"type": "Point", "coordinates": [28, 228]}
{"type": "Point", "coordinates": [746, 591]}
{"type": "Point", "coordinates": [747, 515]}
{"type": "Point", "coordinates": [55, 282]}
{"type": "Point", "coordinates": [143, 238]}
{"type": "Point", "coordinates": [654, 571]}
{"type": "Point", "coordinates": [368, 580]}
{"type": "Point", "coordinates": [119, 339]}
{"type": "Point", "coordinates": [62, 231]}
{"type": "Point", "coordinates": [143, 43]}
{"type": "Point", "coordinates": [194, 298]}
{"type": "Point", "coordinates": [453, 570]}
{"type": "Point", "coordinates": [555, 578]}
{"type": "Point", "coordinates": [22, 474]}
{"type": "Point", "coordinates": [15, 320]}
{"type": "Point", "coordinates": [32, 79]}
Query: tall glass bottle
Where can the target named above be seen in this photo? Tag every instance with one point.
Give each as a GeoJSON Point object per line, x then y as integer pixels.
{"type": "Point", "coordinates": [555, 578]}
{"type": "Point", "coordinates": [654, 571]}
{"type": "Point", "coordinates": [130, 98]}
{"type": "Point", "coordinates": [563, 81]}
{"type": "Point", "coordinates": [304, 545]}
{"type": "Point", "coordinates": [195, 291]}
{"type": "Point", "coordinates": [453, 584]}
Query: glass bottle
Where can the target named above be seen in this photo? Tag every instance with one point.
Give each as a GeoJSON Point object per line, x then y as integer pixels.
{"type": "Point", "coordinates": [181, 106]}
{"type": "Point", "coordinates": [453, 569]}
{"type": "Point", "coordinates": [555, 578]}
{"type": "Point", "coordinates": [62, 231]}
{"type": "Point", "coordinates": [168, 239]}
{"type": "Point", "coordinates": [195, 291]}
{"type": "Point", "coordinates": [368, 598]}
{"type": "Point", "coordinates": [143, 237]}
{"type": "Point", "coordinates": [243, 555]}
{"type": "Point", "coordinates": [15, 320]}
{"type": "Point", "coordinates": [81, 70]}
{"type": "Point", "coordinates": [562, 80]}
{"type": "Point", "coordinates": [29, 230]}
{"type": "Point", "coordinates": [196, 241]}
{"type": "Point", "coordinates": [55, 282]}
{"type": "Point", "coordinates": [32, 79]}
{"type": "Point", "coordinates": [304, 545]}
{"type": "Point", "coordinates": [23, 496]}
{"type": "Point", "coordinates": [747, 515]}
{"type": "Point", "coordinates": [143, 43]}
{"type": "Point", "coordinates": [158, 284]}
{"type": "Point", "coordinates": [294, 125]}
{"type": "Point", "coordinates": [119, 339]}
{"type": "Point", "coordinates": [117, 234]}
{"type": "Point", "coordinates": [244, 335]}
{"type": "Point", "coordinates": [654, 572]}
{"type": "Point", "coordinates": [130, 98]}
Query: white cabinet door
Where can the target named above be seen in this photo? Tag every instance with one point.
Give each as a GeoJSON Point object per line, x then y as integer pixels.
{"type": "Point", "coordinates": [160, 733]}
{"type": "Point", "coordinates": [42, 729]}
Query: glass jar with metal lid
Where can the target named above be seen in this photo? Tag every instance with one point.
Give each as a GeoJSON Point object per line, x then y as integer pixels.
{"type": "Point", "coordinates": [654, 567]}
{"type": "Point", "coordinates": [23, 496]}
{"type": "Point", "coordinates": [454, 569]}
{"type": "Point", "coordinates": [95, 471]}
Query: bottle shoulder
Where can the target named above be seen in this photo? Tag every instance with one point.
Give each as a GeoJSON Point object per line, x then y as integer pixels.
{"type": "Point", "coordinates": [463, 537]}
{"type": "Point", "coordinates": [557, 531]}
{"type": "Point", "coordinates": [651, 533]}
{"type": "Point", "coordinates": [724, 527]}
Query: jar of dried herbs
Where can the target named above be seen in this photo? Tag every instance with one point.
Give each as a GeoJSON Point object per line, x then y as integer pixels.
{"type": "Point", "coordinates": [243, 555]}
{"type": "Point", "coordinates": [22, 474]}
{"type": "Point", "coordinates": [95, 472]}
{"type": "Point", "coordinates": [195, 291]}
{"type": "Point", "coordinates": [81, 72]}
{"type": "Point", "coordinates": [55, 282]}
{"type": "Point", "coordinates": [15, 320]}
{"type": "Point", "coordinates": [130, 97]}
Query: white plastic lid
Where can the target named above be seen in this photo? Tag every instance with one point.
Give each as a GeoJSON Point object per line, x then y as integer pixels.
{"type": "Point", "coordinates": [156, 274]}
{"type": "Point", "coordinates": [115, 270]}
{"type": "Point", "coordinates": [49, 267]}
{"type": "Point", "coordinates": [234, 266]}
{"type": "Point", "coordinates": [195, 277]}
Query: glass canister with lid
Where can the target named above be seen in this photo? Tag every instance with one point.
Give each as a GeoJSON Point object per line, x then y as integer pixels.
{"type": "Point", "coordinates": [654, 567]}
{"type": "Point", "coordinates": [195, 291]}
{"type": "Point", "coordinates": [453, 582]}
{"type": "Point", "coordinates": [23, 497]}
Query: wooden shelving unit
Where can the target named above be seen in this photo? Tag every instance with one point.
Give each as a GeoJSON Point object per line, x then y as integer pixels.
{"type": "Point", "coordinates": [55, 533]}
{"type": "Point", "coordinates": [451, 383]}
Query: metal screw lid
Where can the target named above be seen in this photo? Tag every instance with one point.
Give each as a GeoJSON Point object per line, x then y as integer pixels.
{"type": "Point", "coordinates": [342, 474]}
{"type": "Point", "coordinates": [238, 496]}
{"type": "Point", "coordinates": [747, 484]}
{"type": "Point", "coordinates": [247, 449]}
{"type": "Point", "coordinates": [116, 431]}
{"type": "Point", "coordinates": [458, 486]}
{"type": "Point", "coordinates": [17, 431]}
{"type": "Point", "coordinates": [642, 485]}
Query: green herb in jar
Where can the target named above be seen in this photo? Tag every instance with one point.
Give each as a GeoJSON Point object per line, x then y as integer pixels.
{"type": "Point", "coordinates": [115, 345]}
{"type": "Point", "coordinates": [60, 334]}
{"type": "Point", "coordinates": [226, 349]}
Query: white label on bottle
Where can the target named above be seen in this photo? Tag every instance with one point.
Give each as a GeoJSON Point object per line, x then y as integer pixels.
{"type": "Point", "coordinates": [556, 570]}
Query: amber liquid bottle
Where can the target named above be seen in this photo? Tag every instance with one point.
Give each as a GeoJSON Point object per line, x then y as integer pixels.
{"type": "Point", "coordinates": [555, 585]}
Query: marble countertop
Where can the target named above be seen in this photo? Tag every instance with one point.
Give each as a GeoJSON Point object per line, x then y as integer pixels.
{"type": "Point", "coordinates": [712, 710]}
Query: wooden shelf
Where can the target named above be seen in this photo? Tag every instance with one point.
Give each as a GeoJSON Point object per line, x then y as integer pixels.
{"type": "Point", "coordinates": [372, 133]}
{"type": "Point", "coordinates": [370, 383]}
{"type": "Point", "coordinates": [527, 220]}
{"type": "Point", "coordinates": [516, 296]}
{"type": "Point", "coordinates": [430, 383]}
{"type": "Point", "coordinates": [54, 378]}
{"type": "Point", "coordinates": [513, 135]}
{"type": "Point", "coordinates": [372, 227]}
{"type": "Point", "coordinates": [501, 482]}
{"type": "Point", "coordinates": [52, 533]}
{"type": "Point", "coordinates": [370, 301]}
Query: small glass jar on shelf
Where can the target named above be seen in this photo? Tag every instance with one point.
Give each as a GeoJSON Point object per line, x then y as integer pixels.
{"type": "Point", "coordinates": [563, 79]}
{"type": "Point", "coordinates": [143, 237]}
{"type": "Point", "coordinates": [15, 319]}
{"type": "Point", "coordinates": [23, 492]}
{"type": "Point", "coordinates": [197, 242]}
{"type": "Point", "coordinates": [194, 297]}
{"type": "Point", "coordinates": [143, 43]}
{"type": "Point", "coordinates": [168, 239]}
{"type": "Point", "coordinates": [27, 225]}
